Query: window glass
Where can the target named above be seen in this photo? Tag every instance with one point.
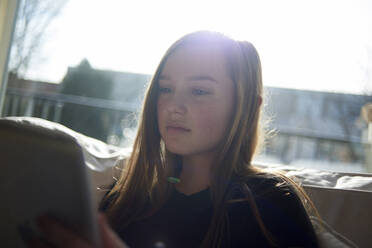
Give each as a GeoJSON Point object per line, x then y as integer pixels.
{"type": "Point", "coordinates": [85, 64]}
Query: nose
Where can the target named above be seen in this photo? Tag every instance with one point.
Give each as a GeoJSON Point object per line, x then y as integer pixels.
{"type": "Point", "coordinates": [177, 104]}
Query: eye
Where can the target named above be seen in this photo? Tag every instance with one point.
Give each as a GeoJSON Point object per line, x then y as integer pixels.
{"type": "Point", "coordinates": [164, 90]}
{"type": "Point", "coordinates": [199, 92]}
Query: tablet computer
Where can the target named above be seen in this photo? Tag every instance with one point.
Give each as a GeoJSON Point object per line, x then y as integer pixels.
{"type": "Point", "coordinates": [42, 172]}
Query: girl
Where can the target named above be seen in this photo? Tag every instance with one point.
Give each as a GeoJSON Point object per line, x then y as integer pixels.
{"type": "Point", "coordinates": [189, 181]}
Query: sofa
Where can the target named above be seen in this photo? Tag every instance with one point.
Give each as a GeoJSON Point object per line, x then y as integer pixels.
{"type": "Point", "coordinates": [344, 200]}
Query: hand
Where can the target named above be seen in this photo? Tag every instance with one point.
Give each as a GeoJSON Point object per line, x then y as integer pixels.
{"type": "Point", "coordinates": [59, 236]}
{"type": "Point", "coordinates": [109, 238]}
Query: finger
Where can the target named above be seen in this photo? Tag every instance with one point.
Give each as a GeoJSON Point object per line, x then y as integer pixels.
{"type": "Point", "coordinates": [59, 235]}
{"type": "Point", "coordinates": [109, 238]}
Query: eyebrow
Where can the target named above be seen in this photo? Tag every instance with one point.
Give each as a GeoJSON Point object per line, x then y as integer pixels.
{"type": "Point", "coordinates": [201, 77]}
{"type": "Point", "coordinates": [191, 78]}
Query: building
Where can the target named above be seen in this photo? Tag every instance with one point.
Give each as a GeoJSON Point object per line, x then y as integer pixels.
{"type": "Point", "coordinates": [309, 125]}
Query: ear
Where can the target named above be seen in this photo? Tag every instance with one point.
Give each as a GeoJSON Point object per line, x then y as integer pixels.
{"type": "Point", "coordinates": [259, 101]}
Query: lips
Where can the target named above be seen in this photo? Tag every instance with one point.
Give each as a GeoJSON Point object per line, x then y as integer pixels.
{"type": "Point", "coordinates": [177, 128]}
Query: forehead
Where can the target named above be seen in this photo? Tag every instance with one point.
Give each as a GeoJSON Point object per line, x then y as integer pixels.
{"type": "Point", "coordinates": [196, 60]}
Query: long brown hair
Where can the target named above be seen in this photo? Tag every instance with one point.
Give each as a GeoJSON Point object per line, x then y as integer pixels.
{"type": "Point", "coordinates": [143, 187]}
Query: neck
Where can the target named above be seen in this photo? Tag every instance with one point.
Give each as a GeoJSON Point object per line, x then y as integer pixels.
{"type": "Point", "coordinates": [196, 173]}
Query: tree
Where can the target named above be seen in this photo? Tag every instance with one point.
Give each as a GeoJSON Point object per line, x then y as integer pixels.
{"type": "Point", "coordinates": [349, 105]}
{"type": "Point", "coordinates": [34, 17]}
{"type": "Point", "coordinates": [86, 82]}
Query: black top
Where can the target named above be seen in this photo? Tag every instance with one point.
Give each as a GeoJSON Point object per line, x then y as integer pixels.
{"type": "Point", "coordinates": [184, 220]}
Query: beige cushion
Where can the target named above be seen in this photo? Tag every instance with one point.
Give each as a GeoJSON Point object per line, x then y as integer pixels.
{"type": "Point", "coordinates": [348, 212]}
{"type": "Point", "coordinates": [344, 200]}
{"type": "Point", "coordinates": [328, 237]}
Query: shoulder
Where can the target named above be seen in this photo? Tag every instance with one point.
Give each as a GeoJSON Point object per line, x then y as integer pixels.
{"type": "Point", "coordinates": [267, 185]}
{"type": "Point", "coordinates": [264, 185]}
{"type": "Point", "coordinates": [275, 196]}
{"type": "Point", "coordinates": [279, 206]}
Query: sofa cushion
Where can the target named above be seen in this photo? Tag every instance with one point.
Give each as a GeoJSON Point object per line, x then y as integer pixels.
{"type": "Point", "coordinates": [343, 200]}
{"type": "Point", "coordinates": [97, 154]}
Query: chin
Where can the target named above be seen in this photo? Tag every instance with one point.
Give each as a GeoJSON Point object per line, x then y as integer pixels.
{"type": "Point", "coordinates": [187, 149]}
{"type": "Point", "coordinates": [178, 151]}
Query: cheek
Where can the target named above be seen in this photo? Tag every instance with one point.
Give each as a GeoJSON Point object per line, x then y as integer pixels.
{"type": "Point", "coordinates": [160, 113]}
{"type": "Point", "coordinates": [212, 121]}
{"type": "Point", "coordinates": [214, 116]}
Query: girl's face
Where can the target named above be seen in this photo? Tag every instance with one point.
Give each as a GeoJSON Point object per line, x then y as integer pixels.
{"type": "Point", "coordinates": [195, 100]}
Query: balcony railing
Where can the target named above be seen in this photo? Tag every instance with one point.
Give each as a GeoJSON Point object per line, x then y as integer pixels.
{"type": "Point", "coordinates": [19, 102]}
{"type": "Point", "coordinates": [49, 106]}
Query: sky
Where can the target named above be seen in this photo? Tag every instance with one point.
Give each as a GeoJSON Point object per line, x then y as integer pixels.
{"type": "Point", "coordinates": [320, 45]}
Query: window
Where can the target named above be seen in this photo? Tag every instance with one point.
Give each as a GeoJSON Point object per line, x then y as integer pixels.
{"type": "Point", "coordinates": [87, 68]}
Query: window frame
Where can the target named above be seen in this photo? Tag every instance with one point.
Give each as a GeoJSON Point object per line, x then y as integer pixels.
{"type": "Point", "coordinates": [8, 16]}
